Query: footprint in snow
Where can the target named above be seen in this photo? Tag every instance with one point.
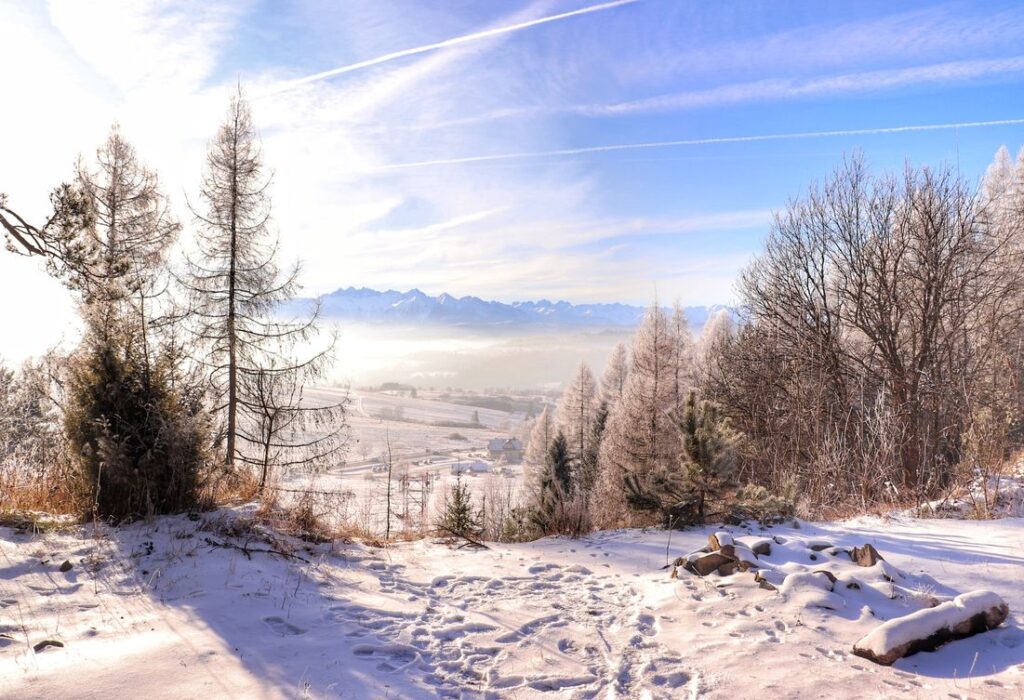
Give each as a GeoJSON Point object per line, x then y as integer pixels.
{"type": "Point", "coordinates": [566, 645]}
{"type": "Point", "coordinates": [282, 626]}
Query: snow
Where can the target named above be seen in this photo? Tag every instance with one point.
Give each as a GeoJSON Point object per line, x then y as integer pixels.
{"type": "Point", "coordinates": [155, 610]}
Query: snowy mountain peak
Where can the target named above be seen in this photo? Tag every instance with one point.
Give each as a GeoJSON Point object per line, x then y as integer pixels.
{"type": "Point", "coordinates": [415, 306]}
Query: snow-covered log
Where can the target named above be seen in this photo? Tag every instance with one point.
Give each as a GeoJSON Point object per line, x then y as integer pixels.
{"type": "Point", "coordinates": [928, 629]}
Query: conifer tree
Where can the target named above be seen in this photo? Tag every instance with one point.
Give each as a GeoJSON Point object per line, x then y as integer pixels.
{"type": "Point", "coordinates": [613, 381]}
{"type": "Point", "coordinates": [541, 434]}
{"type": "Point", "coordinates": [136, 431]}
{"type": "Point", "coordinates": [553, 489]}
{"type": "Point", "coordinates": [458, 518]}
{"type": "Point", "coordinates": [681, 492]}
{"type": "Point", "coordinates": [639, 439]}
{"type": "Point", "coordinates": [576, 412]}
{"type": "Point", "coordinates": [237, 288]}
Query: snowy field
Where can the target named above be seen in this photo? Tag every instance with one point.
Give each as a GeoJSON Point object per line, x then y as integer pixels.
{"type": "Point", "coordinates": [164, 610]}
{"type": "Point", "coordinates": [423, 443]}
{"type": "Point", "coordinates": [425, 425]}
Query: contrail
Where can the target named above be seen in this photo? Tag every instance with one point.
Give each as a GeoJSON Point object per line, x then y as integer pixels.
{"type": "Point", "coordinates": [454, 41]}
{"type": "Point", "coordinates": [698, 142]}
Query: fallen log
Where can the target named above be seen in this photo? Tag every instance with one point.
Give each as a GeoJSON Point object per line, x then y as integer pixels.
{"type": "Point", "coordinates": [928, 629]}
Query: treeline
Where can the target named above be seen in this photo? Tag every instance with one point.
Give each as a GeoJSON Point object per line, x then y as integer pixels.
{"type": "Point", "coordinates": [878, 359]}
{"type": "Point", "coordinates": [185, 384]}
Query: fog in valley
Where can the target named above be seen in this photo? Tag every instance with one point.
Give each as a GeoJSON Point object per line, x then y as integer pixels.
{"type": "Point", "coordinates": [466, 358]}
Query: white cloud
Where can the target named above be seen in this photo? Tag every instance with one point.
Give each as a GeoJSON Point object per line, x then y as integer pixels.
{"type": "Point", "coordinates": [784, 89]}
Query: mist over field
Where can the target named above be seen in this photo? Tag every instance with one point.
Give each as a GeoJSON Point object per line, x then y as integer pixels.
{"type": "Point", "coordinates": [465, 358]}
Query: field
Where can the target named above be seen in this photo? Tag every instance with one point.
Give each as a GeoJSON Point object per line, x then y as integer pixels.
{"type": "Point", "coordinates": [428, 437]}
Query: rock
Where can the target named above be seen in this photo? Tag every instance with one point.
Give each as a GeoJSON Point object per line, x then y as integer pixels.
{"type": "Point", "coordinates": [827, 574]}
{"type": "Point", "coordinates": [728, 550]}
{"type": "Point", "coordinates": [745, 556]}
{"type": "Point", "coordinates": [718, 540]}
{"type": "Point", "coordinates": [762, 578]}
{"type": "Point", "coordinates": [866, 555]}
{"type": "Point", "coordinates": [707, 563]}
{"type": "Point", "coordinates": [928, 629]}
{"type": "Point", "coordinates": [761, 546]}
{"type": "Point", "coordinates": [66, 566]}
{"type": "Point", "coordinates": [47, 643]}
{"type": "Point", "coordinates": [819, 545]}
{"type": "Point", "coordinates": [728, 568]}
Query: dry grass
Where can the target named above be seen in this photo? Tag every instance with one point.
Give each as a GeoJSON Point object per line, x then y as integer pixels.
{"type": "Point", "coordinates": [54, 490]}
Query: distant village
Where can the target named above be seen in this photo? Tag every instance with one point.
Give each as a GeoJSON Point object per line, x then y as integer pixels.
{"type": "Point", "coordinates": [501, 454]}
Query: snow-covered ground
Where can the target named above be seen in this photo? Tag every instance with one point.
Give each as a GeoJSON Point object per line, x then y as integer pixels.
{"type": "Point", "coordinates": [161, 610]}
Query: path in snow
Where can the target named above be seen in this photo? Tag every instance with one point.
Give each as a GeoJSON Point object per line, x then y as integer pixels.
{"type": "Point", "coordinates": [153, 610]}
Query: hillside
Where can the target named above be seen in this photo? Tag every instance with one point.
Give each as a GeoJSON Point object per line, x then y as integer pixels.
{"type": "Point", "coordinates": [217, 607]}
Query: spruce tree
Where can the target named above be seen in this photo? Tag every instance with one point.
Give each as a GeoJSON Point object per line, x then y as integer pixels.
{"type": "Point", "coordinates": [553, 489]}
{"type": "Point", "coordinates": [458, 518]}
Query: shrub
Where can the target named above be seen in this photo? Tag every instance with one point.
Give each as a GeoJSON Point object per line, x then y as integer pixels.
{"type": "Point", "coordinates": [140, 447]}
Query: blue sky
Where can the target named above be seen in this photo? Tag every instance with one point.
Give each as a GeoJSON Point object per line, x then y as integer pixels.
{"type": "Point", "coordinates": [354, 133]}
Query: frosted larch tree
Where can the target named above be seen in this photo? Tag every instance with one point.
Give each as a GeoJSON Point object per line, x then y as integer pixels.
{"type": "Point", "coordinates": [576, 412]}
{"type": "Point", "coordinates": [541, 435]}
{"type": "Point", "coordinates": [613, 381]}
{"type": "Point", "coordinates": [682, 356]}
{"type": "Point", "coordinates": [640, 437]}
{"type": "Point", "coordinates": [718, 332]}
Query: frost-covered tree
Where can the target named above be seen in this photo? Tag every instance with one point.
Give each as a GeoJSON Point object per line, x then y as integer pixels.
{"type": "Point", "coordinates": [576, 412]}
{"type": "Point", "coordinates": [639, 438]}
{"type": "Point", "coordinates": [588, 468]}
{"type": "Point", "coordinates": [719, 331]}
{"type": "Point", "coordinates": [30, 445]}
{"type": "Point", "coordinates": [682, 356]}
{"type": "Point", "coordinates": [541, 434]}
{"type": "Point", "coordinates": [1000, 177]}
{"type": "Point", "coordinates": [613, 381]}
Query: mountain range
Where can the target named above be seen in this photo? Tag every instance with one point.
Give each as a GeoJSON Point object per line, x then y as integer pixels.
{"type": "Point", "coordinates": [416, 307]}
